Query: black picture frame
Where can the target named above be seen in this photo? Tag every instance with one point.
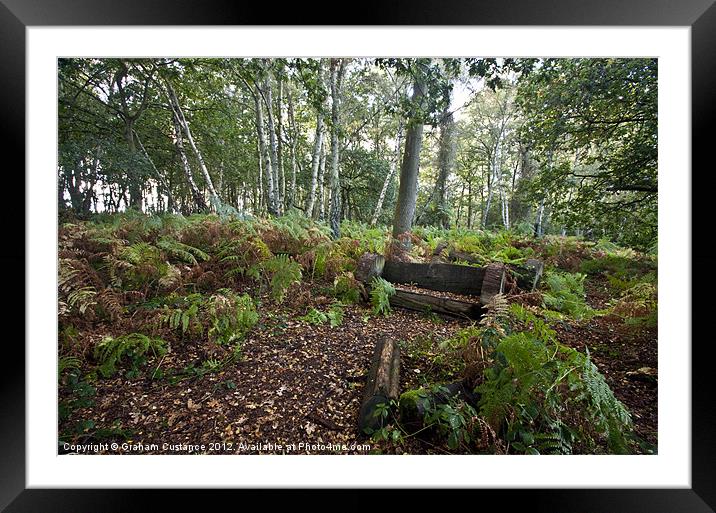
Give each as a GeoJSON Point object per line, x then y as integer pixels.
{"type": "Point", "coordinates": [16, 15]}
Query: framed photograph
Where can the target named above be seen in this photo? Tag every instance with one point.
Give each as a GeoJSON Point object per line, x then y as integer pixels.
{"type": "Point", "coordinates": [421, 251]}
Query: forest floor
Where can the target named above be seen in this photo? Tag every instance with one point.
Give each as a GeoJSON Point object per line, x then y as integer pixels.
{"type": "Point", "coordinates": [295, 386]}
{"type": "Point", "coordinates": [619, 352]}
{"type": "Point", "coordinates": [301, 383]}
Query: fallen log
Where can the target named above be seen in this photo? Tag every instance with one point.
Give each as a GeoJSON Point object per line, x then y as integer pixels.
{"type": "Point", "coordinates": [428, 303]}
{"type": "Point", "coordinates": [382, 386]}
{"type": "Point", "coordinates": [481, 282]}
{"type": "Point", "coordinates": [459, 279]}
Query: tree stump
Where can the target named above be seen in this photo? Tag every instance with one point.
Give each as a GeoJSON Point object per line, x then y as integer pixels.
{"type": "Point", "coordinates": [382, 385]}
{"type": "Point", "coordinates": [369, 266]}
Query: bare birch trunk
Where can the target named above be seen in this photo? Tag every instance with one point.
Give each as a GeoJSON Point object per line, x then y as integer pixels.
{"type": "Point", "coordinates": [389, 177]}
{"type": "Point", "coordinates": [291, 196]}
{"type": "Point", "coordinates": [195, 192]}
{"type": "Point", "coordinates": [160, 178]}
{"type": "Point", "coordinates": [320, 208]}
{"type": "Point", "coordinates": [469, 204]}
{"type": "Point", "coordinates": [538, 223]}
{"type": "Point", "coordinates": [337, 70]}
{"type": "Point", "coordinates": [276, 199]}
{"type": "Point", "coordinates": [265, 153]}
{"type": "Point", "coordinates": [184, 124]}
{"type": "Point", "coordinates": [260, 179]}
{"type": "Point", "coordinates": [315, 160]}
{"type": "Point", "coordinates": [279, 136]}
{"type": "Point", "coordinates": [490, 189]}
{"type": "Point", "coordinates": [539, 230]}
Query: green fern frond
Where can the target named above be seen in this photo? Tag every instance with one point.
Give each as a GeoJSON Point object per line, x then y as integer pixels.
{"type": "Point", "coordinates": [111, 351]}
{"type": "Point", "coordinates": [284, 273]}
{"type": "Point", "coordinates": [183, 252]}
{"type": "Point", "coordinates": [67, 362]}
{"type": "Point", "coordinates": [380, 293]}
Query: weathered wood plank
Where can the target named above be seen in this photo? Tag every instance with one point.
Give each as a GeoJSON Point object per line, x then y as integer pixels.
{"type": "Point", "coordinates": [459, 279]}
{"type": "Point", "coordinates": [494, 282]}
{"type": "Point", "coordinates": [382, 385]}
{"type": "Point", "coordinates": [427, 303]}
{"type": "Point", "coordinates": [527, 274]}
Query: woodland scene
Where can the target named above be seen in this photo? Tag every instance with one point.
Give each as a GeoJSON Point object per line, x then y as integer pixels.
{"type": "Point", "coordinates": [357, 256]}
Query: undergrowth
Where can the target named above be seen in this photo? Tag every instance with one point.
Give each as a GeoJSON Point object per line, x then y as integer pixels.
{"type": "Point", "coordinates": [200, 283]}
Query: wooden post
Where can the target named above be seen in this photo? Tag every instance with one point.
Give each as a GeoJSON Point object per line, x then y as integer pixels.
{"type": "Point", "coordinates": [382, 385]}
{"type": "Point", "coordinates": [493, 283]}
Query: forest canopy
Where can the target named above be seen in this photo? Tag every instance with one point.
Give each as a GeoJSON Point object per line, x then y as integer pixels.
{"type": "Point", "coordinates": [538, 146]}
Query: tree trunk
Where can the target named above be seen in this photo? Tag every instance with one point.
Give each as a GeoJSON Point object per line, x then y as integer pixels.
{"type": "Point", "coordinates": [469, 204]}
{"type": "Point", "coordinates": [291, 195]}
{"type": "Point", "coordinates": [539, 230]}
{"type": "Point", "coordinates": [492, 183]}
{"type": "Point", "coordinates": [135, 187]}
{"type": "Point", "coordinates": [61, 205]}
{"type": "Point", "coordinates": [184, 124]}
{"type": "Point", "coordinates": [337, 70]}
{"type": "Point", "coordinates": [195, 192]}
{"type": "Point", "coordinates": [279, 136]}
{"type": "Point", "coordinates": [408, 188]}
{"type": "Point", "coordinates": [273, 159]}
{"type": "Point", "coordinates": [389, 177]}
{"type": "Point", "coordinates": [317, 146]}
{"type": "Point", "coordinates": [160, 178]}
{"type": "Point", "coordinates": [459, 206]}
{"type": "Point", "coordinates": [320, 208]}
{"type": "Point", "coordinates": [260, 178]}
{"type": "Point", "coordinates": [504, 202]}
{"type": "Point", "coordinates": [266, 152]}
{"type": "Point", "coordinates": [446, 163]}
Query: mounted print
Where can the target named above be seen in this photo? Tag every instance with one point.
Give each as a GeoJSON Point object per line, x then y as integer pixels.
{"type": "Point", "coordinates": [339, 255]}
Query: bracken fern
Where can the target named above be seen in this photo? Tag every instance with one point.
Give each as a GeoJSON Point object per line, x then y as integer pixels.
{"type": "Point", "coordinates": [111, 351]}
{"type": "Point", "coordinates": [380, 294]}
